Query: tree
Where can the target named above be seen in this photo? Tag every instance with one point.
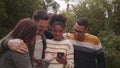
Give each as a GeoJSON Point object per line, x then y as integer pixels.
{"type": "Point", "coordinates": [104, 16]}
{"type": "Point", "coordinates": [115, 16]}
{"type": "Point", "coordinates": [111, 45]}
{"type": "Point", "coordinates": [14, 10]}
{"type": "Point", "coordinates": [51, 5]}
{"type": "Point", "coordinates": [3, 15]}
{"type": "Point", "coordinates": [70, 20]}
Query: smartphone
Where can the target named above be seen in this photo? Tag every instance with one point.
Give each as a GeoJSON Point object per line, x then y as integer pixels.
{"type": "Point", "coordinates": [60, 54]}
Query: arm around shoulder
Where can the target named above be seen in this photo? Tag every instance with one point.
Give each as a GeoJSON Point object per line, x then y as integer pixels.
{"type": "Point", "coordinates": [4, 42]}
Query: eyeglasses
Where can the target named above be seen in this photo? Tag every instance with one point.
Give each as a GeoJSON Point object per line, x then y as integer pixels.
{"type": "Point", "coordinates": [78, 31]}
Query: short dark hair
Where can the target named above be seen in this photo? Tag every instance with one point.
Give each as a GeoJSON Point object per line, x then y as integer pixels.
{"type": "Point", "coordinates": [83, 21]}
{"type": "Point", "coordinates": [25, 29]}
{"type": "Point", "coordinates": [40, 15]}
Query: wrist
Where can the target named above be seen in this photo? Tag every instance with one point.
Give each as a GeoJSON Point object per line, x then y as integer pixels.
{"type": "Point", "coordinates": [9, 42]}
{"type": "Point", "coordinates": [6, 44]}
{"type": "Point", "coordinates": [65, 63]}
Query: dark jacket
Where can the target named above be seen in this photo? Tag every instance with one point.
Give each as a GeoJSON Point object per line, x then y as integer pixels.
{"type": "Point", "coordinates": [11, 59]}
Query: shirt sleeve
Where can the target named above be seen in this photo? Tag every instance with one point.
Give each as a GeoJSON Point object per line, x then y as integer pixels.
{"type": "Point", "coordinates": [45, 63]}
{"type": "Point", "coordinates": [70, 57]}
{"type": "Point", "coordinates": [4, 43]}
{"type": "Point", "coordinates": [99, 53]}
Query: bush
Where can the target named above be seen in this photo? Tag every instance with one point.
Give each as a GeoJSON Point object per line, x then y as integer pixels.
{"type": "Point", "coordinates": [111, 45]}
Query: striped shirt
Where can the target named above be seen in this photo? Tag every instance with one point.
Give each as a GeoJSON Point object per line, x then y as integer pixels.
{"type": "Point", "coordinates": [64, 46]}
{"type": "Point", "coordinates": [87, 51]}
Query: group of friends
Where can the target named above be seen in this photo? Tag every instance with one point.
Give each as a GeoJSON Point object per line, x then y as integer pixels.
{"type": "Point", "coordinates": [41, 42]}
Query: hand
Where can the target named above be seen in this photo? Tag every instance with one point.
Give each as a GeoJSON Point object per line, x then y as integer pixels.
{"type": "Point", "coordinates": [18, 45]}
{"type": "Point", "coordinates": [61, 60]}
{"type": "Point", "coordinates": [50, 56]}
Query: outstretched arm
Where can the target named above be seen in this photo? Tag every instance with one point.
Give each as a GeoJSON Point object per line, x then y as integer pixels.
{"type": "Point", "coordinates": [17, 45]}
{"type": "Point", "coordinates": [3, 43]}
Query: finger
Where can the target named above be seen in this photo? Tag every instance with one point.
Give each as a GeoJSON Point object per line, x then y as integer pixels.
{"type": "Point", "coordinates": [20, 51]}
{"type": "Point", "coordinates": [22, 43]}
{"type": "Point", "coordinates": [21, 48]}
{"type": "Point", "coordinates": [25, 48]}
{"type": "Point", "coordinates": [61, 60]}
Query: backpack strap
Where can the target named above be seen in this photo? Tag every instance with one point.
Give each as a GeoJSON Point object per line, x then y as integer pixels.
{"type": "Point", "coordinates": [44, 45]}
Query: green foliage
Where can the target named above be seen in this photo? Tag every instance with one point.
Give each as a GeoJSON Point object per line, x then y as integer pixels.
{"type": "Point", "coordinates": [113, 60]}
{"type": "Point", "coordinates": [111, 45]}
{"type": "Point", "coordinates": [3, 14]}
{"type": "Point", "coordinates": [94, 11]}
{"type": "Point", "coordinates": [104, 18]}
{"type": "Point", "coordinates": [70, 20]}
{"type": "Point", "coordinates": [4, 31]}
{"type": "Point", "coordinates": [101, 13]}
{"type": "Point", "coordinates": [115, 16]}
{"type": "Point", "coordinates": [110, 41]}
{"type": "Point", "coordinates": [14, 10]}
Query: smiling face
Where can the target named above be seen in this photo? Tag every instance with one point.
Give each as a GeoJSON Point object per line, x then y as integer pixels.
{"type": "Point", "coordinates": [57, 32]}
{"type": "Point", "coordinates": [43, 24]}
{"type": "Point", "coordinates": [79, 31]}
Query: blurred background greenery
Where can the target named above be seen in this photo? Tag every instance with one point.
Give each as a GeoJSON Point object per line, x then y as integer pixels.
{"type": "Point", "coordinates": [104, 17]}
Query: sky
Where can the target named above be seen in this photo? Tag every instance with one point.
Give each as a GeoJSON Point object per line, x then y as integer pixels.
{"type": "Point", "coordinates": [62, 4]}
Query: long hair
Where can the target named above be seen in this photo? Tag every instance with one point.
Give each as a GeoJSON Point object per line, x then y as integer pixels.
{"type": "Point", "coordinates": [26, 30]}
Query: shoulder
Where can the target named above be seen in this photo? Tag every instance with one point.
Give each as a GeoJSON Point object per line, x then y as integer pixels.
{"type": "Point", "coordinates": [92, 38]}
{"type": "Point", "coordinates": [68, 42]}
{"type": "Point", "coordinates": [16, 55]}
{"type": "Point", "coordinates": [49, 40]}
{"type": "Point", "coordinates": [68, 36]}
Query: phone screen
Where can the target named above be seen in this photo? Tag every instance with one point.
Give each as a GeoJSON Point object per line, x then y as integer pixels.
{"type": "Point", "coordinates": [60, 54]}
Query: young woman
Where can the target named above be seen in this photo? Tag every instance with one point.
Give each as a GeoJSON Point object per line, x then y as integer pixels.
{"type": "Point", "coordinates": [26, 29]}
{"type": "Point", "coordinates": [61, 48]}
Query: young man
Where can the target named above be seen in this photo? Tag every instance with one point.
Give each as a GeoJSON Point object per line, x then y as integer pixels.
{"type": "Point", "coordinates": [37, 51]}
{"type": "Point", "coordinates": [88, 52]}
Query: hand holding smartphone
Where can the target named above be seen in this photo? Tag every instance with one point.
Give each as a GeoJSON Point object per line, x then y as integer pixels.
{"type": "Point", "coordinates": [61, 58]}
{"type": "Point", "coordinates": [60, 54]}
